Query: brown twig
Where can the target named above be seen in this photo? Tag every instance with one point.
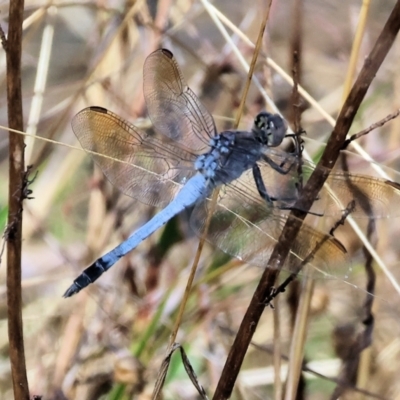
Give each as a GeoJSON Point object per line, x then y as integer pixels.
{"type": "Point", "coordinates": [298, 131]}
{"type": "Point", "coordinates": [293, 298]}
{"type": "Point", "coordinates": [311, 189]}
{"type": "Point", "coordinates": [16, 195]}
{"type": "Point", "coordinates": [374, 126]}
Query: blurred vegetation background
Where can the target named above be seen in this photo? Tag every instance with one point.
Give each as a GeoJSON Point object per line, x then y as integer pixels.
{"type": "Point", "coordinates": [110, 339]}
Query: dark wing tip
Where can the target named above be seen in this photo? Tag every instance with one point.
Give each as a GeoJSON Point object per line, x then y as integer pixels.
{"type": "Point", "coordinates": [167, 53]}
{"type": "Point", "coordinates": [98, 109]}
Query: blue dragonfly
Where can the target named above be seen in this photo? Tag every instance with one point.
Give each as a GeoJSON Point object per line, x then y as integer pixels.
{"type": "Point", "coordinates": [181, 167]}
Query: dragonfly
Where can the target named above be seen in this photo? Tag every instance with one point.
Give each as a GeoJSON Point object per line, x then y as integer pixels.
{"type": "Point", "coordinates": [179, 169]}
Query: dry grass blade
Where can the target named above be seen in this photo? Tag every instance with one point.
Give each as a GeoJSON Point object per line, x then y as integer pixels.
{"type": "Point", "coordinates": [162, 374]}
{"type": "Point", "coordinates": [188, 368]}
{"type": "Point", "coordinates": [192, 375]}
{"type": "Point", "coordinates": [40, 81]}
{"type": "Point", "coordinates": [355, 51]}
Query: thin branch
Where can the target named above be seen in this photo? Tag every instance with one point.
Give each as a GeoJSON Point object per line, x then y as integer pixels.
{"type": "Point", "coordinates": [16, 195]}
{"type": "Point", "coordinates": [295, 381]}
{"type": "Point", "coordinates": [374, 126]}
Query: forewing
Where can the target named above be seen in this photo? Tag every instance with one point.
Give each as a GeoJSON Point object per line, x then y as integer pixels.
{"type": "Point", "coordinates": [140, 165]}
{"type": "Point", "coordinates": [172, 106]}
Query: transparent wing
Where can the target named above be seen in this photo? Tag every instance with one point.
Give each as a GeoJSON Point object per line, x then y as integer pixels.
{"type": "Point", "coordinates": [374, 197]}
{"type": "Point", "coordinates": [248, 228]}
{"type": "Point", "coordinates": [140, 165]}
{"type": "Point", "coordinates": [172, 106]}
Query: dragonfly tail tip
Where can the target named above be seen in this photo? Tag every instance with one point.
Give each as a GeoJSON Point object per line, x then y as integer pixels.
{"type": "Point", "coordinates": [73, 289]}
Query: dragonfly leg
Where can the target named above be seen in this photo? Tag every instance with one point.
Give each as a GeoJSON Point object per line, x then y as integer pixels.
{"type": "Point", "coordinates": [299, 141]}
{"type": "Point", "coordinates": [262, 190]}
{"type": "Point", "coordinates": [280, 168]}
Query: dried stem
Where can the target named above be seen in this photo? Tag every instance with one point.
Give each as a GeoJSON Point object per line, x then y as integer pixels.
{"type": "Point", "coordinates": [16, 195]}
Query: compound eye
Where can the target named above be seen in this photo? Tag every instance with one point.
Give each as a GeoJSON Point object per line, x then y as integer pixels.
{"type": "Point", "coordinates": [271, 128]}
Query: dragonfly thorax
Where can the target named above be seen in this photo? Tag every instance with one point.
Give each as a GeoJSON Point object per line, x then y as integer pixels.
{"type": "Point", "coordinates": [231, 153]}
{"type": "Point", "coordinates": [210, 162]}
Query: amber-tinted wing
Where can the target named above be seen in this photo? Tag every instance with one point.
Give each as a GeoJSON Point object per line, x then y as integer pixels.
{"type": "Point", "coordinates": [140, 165]}
{"type": "Point", "coordinates": [173, 108]}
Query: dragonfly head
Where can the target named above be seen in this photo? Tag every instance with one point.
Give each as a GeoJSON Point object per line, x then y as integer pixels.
{"type": "Point", "coordinates": [269, 129]}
